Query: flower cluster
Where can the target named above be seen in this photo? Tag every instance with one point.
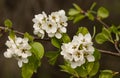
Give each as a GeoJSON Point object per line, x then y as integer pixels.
{"type": "Point", "coordinates": [78, 50]}
{"type": "Point", "coordinates": [54, 24]}
{"type": "Point", "coordinates": [19, 49]}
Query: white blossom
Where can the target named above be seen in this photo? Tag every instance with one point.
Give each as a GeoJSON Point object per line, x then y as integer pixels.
{"type": "Point", "coordinates": [19, 49]}
{"type": "Point", "coordinates": [78, 50]}
{"type": "Point", "coordinates": [54, 25]}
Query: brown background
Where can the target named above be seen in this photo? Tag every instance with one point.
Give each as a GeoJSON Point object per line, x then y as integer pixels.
{"type": "Point", "coordinates": [21, 12]}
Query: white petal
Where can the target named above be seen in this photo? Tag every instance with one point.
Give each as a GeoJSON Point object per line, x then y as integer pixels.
{"type": "Point", "coordinates": [63, 29]}
{"type": "Point", "coordinates": [51, 34]}
{"type": "Point", "coordinates": [58, 35]}
{"type": "Point", "coordinates": [25, 60]}
{"type": "Point", "coordinates": [20, 63]}
{"type": "Point", "coordinates": [90, 58]}
{"type": "Point", "coordinates": [7, 54]}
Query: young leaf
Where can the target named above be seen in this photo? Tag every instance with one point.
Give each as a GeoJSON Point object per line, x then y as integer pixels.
{"type": "Point", "coordinates": [66, 38]}
{"type": "Point", "coordinates": [90, 16]}
{"type": "Point", "coordinates": [27, 35]}
{"type": "Point", "coordinates": [69, 70]}
{"type": "Point", "coordinates": [93, 5]}
{"type": "Point", "coordinates": [55, 42]}
{"type": "Point", "coordinates": [106, 74]}
{"type": "Point", "coordinates": [94, 69]}
{"type": "Point", "coordinates": [37, 49]}
{"type": "Point", "coordinates": [78, 18]}
{"type": "Point", "coordinates": [29, 68]}
{"type": "Point", "coordinates": [97, 55]}
{"type": "Point", "coordinates": [77, 7]}
{"type": "Point", "coordinates": [89, 66]}
{"type": "Point", "coordinates": [8, 23]}
{"type": "Point", "coordinates": [102, 12]}
{"type": "Point", "coordinates": [82, 71]}
{"type": "Point", "coordinates": [52, 55]}
{"type": "Point", "coordinates": [73, 12]}
{"type": "Point", "coordinates": [12, 34]}
{"type": "Point", "coordinates": [100, 38]}
{"type": "Point", "coordinates": [82, 30]}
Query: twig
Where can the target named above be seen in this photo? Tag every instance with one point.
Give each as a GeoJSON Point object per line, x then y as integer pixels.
{"type": "Point", "coordinates": [22, 34]}
{"type": "Point", "coordinates": [106, 26]}
{"type": "Point", "coordinates": [109, 52]}
{"type": "Point", "coordinates": [117, 46]}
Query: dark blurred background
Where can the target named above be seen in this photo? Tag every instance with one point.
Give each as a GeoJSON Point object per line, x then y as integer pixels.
{"type": "Point", "coordinates": [21, 12]}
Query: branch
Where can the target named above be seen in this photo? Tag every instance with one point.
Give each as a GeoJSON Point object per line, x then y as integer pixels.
{"type": "Point", "coordinates": [116, 43]}
{"type": "Point", "coordinates": [109, 52]}
{"type": "Point", "coordinates": [20, 33]}
{"type": "Point", "coordinates": [98, 19]}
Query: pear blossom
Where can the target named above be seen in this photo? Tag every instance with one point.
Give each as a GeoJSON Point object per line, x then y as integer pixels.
{"type": "Point", "coordinates": [19, 49]}
{"type": "Point", "coordinates": [54, 24]}
{"type": "Point", "coordinates": [79, 50]}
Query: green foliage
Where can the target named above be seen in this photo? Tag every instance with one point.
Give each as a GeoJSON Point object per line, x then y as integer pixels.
{"type": "Point", "coordinates": [104, 36]}
{"type": "Point", "coordinates": [29, 68]}
{"type": "Point", "coordinates": [95, 69]}
{"type": "Point", "coordinates": [66, 68]}
{"type": "Point", "coordinates": [52, 55]}
{"type": "Point", "coordinates": [82, 71]}
{"type": "Point", "coordinates": [97, 55]}
{"type": "Point", "coordinates": [37, 49]}
{"type": "Point", "coordinates": [34, 60]}
{"type": "Point", "coordinates": [12, 34]}
{"type": "Point", "coordinates": [92, 6]}
{"type": "Point", "coordinates": [65, 38]}
{"type": "Point", "coordinates": [89, 66]}
{"type": "Point", "coordinates": [116, 31]}
{"type": "Point", "coordinates": [55, 42]}
{"type": "Point", "coordinates": [106, 74]}
{"type": "Point", "coordinates": [90, 16]}
{"type": "Point", "coordinates": [27, 35]}
{"type": "Point", "coordinates": [82, 30]}
{"type": "Point", "coordinates": [73, 12]}
{"type": "Point", "coordinates": [78, 18]}
{"type": "Point", "coordinates": [77, 7]}
{"type": "Point", "coordinates": [102, 13]}
{"type": "Point", "coordinates": [8, 23]}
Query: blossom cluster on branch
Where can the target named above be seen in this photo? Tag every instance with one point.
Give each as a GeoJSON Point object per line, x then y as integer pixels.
{"type": "Point", "coordinates": [54, 25]}
{"type": "Point", "coordinates": [81, 58]}
{"type": "Point", "coordinates": [18, 48]}
{"type": "Point", "coordinates": [78, 50]}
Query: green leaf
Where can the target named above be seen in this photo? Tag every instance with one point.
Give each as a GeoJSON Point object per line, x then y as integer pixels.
{"type": "Point", "coordinates": [65, 38]}
{"type": "Point", "coordinates": [100, 38]}
{"type": "Point", "coordinates": [94, 69]}
{"type": "Point", "coordinates": [97, 55]}
{"type": "Point", "coordinates": [37, 49]}
{"type": "Point", "coordinates": [90, 16]}
{"type": "Point", "coordinates": [82, 71]}
{"type": "Point", "coordinates": [77, 7]}
{"type": "Point", "coordinates": [89, 66]}
{"type": "Point", "coordinates": [73, 12]}
{"type": "Point", "coordinates": [68, 69]}
{"type": "Point", "coordinates": [105, 35]}
{"type": "Point", "coordinates": [52, 55]}
{"type": "Point", "coordinates": [55, 42]}
{"type": "Point", "coordinates": [93, 5]}
{"type": "Point", "coordinates": [106, 74]}
{"type": "Point", "coordinates": [8, 23]}
{"type": "Point", "coordinates": [78, 18]}
{"type": "Point", "coordinates": [29, 68]}
{"type": "Point", "coordinates": [82, 30]}
{"type": "Point", "coordinates": [27, 35]}
{"type": "Point", "coordinates": [102, 12]}
{"type": "Point", "coordinates": [12, 34]}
